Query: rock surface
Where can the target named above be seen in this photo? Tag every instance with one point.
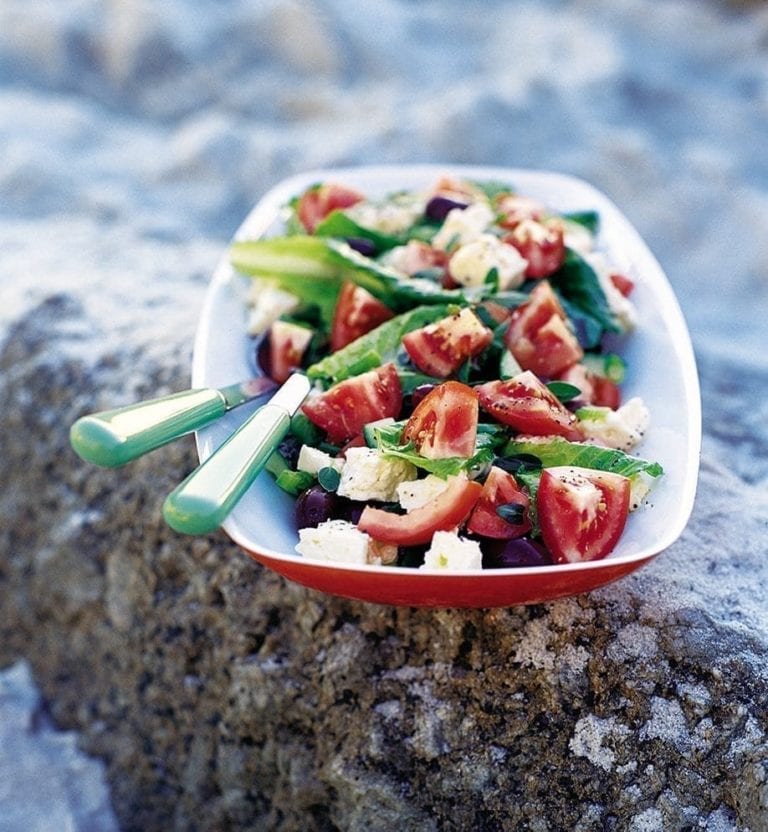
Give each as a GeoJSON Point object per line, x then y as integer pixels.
{"type": "Point", "coordinates": [38, 760]}
{"type": "Point", "coordinates": [221, 697]}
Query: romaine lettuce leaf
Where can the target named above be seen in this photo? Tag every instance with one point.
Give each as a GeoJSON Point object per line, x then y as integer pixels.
{"type": "Point", "coordinates": [443, 468]}
{"type": "Point", "coordinates": [376, 347]}
{"type": "Point", "coordinates": [313, 268]}
{"type": "Point", "coordinates": [339, 224]}
{"type": "Point", "coordinates": [584, 300]}
{"type": "Point", "coordinates": [559, 451]}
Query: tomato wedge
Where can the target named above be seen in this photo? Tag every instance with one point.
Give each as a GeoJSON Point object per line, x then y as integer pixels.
{"type": "Point", "coordinates": [595, 389]}
{"type": "Point", "coordinates": [440, 348]}
{"type": "Point", "coordinates": [500, 488]}
{"type": "Point", "coordinates": [316, 203]}
{"type": "Point", "coordinates": [538, 337]}
{"type": "Point", "coordinates": [287, 344]}
{"type": "Point", "coordinates": [541, 244]}
{"type": "Point", "coordinates": [526, 404]}
{"type": "Point", "coordinates": [446, 511]}
{"type": "Point", "coordinates": [581, 511]}
{"type": "Point", "coordinates": [343, 410]}
{"type": "Point", "coordinates": [444, 423]}
{"type": "Point", "coordinates": [515, 208]}
{"type": "Point", "coordinates": [357, 312]}
{"type": "Point", "coordinates": [623, 283]}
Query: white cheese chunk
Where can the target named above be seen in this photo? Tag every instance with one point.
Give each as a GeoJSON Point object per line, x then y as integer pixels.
{"type": "Point", "coordinates": [622, 308]}
{"type": "Point", "coordinates": [623, 429]}
{"type": "Point", "coordinates": [266, 304]}
{"type": "Point", "coordinates": [369, 475]}
{"type": "Point", "coordinates": [463, 225]}
{"type": "Point", "coordinates": [577, 237]}
{"type": "Point", "coordinates": [451, 552]}
{"type": "Point", "coordinates": [417, 493]}
{"type": "Point", "coordinates": [472, 262]}
{"type": "Point", "coordinates": [639, 486]}
{"type": "Point", "coordinates": [313, 460]}
{"type": "Point", "coordinates": [392, 217]}
{"type": "Point", "coordinates": [334, 540]}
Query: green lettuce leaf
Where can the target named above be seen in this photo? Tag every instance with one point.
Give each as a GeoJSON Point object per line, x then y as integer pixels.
{"type": "Point", "coordinates": [444, 468]}
{"type": "Point", "coordinates": [313, 268]}
{"type": "Point", "coordinates": [558, 451]}
{"type": "Point", "coordinates": [376, 347]}
{"type": "Point", "coordinates": [589, 219]}
{"type": "Point", "coordinates": [584, 300]}
{"type": "Point", "coordinates": [339, 224]}
{"type": "Point", "coordinates": [298, 264]}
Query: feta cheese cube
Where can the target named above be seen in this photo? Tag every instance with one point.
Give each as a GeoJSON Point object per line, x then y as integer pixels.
{"type": "Point", "coordinates": [471, 263]}
{"type": "Point", "coordinates": [463, 225]}
{"type": "Point", "coordinates": [622, 429]}
{"type": "Point", "coordinates": [335, 540]}
{"type": "Point", "coordinates": [313, 460]}
{"type": "Point", "coordinates": [266, 304]}
{"type": "Point", "coordinates": [392, 217]}
{"type": "Point", "coordinates": [621, 308]}
{"type": "Point", "coordinates": [577, 237]}
{"type": "Point", "coordinates": [417, 493]}
{"type": "Point", "coordinates": [369, 475]}
{"type": "Point", "coordinates": [451, 552]}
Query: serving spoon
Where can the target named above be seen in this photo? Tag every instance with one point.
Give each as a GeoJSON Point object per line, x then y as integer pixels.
{"type": "Point", "coordinates": [115, 437]}
{"type": "Point", "coordinates": [202, 502]}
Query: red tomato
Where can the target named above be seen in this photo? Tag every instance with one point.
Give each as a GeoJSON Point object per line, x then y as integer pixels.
{"type": "Point", "coordinates": [444, 423]}
{"type": "Point", "coordinates": [446, 511]}
{"type": "Point", "coordinates": [606, 393]}
{"type": "Point", "coordinates": [582, 512]}
{"type": "Point", "coordinates": [543, 246]}
{"type": "Point", "coordinates": [499, 489]}
{"type": "Point", "coordinates": [287, 344]}
{"type": "Point", "coordinates": [623, 283]}
{"type": "Point", "coordinates": [357, 312]}
{"type": "Point", "coordinates": [526, 404]}
{"type": "Point", "coordinates": [594, 389]}
{"type": "Point", "coordinates": [516, 208]}
{"type": "Point", "coordinates": [439, 349]}
{"type": "Point", "coordinates": [347, 406]}
{"type": "Point", "coordinates": [316, 203]}
{"type": "Point", "coordinates": [538, 337]}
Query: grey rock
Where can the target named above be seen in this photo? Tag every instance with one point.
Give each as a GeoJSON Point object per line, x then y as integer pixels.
{"type": "Point", "coordinates": [46, 783]}
{"type": "Point", "coordinates": [218, 695]}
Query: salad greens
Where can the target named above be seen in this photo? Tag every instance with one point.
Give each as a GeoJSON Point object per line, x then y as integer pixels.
{"type": "Point", "coordinates": [456, 341]}
{"type": "Point", "coordinates": [376, 347]}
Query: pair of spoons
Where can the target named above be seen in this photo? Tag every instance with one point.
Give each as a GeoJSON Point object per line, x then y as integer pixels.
{"type": "Point", "coordinates": [201, 503]}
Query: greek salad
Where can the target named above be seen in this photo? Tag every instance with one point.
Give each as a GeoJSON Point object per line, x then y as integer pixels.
{"type": "Point", "coordinates": [463, 343]}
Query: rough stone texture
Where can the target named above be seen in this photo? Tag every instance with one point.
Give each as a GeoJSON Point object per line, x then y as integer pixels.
{"type": "Point", "coordinates": [134, 138]}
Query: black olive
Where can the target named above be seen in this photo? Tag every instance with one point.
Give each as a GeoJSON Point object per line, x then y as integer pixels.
{"type": "Point", "coordinates": [439, 206]}
{"type": "Point", "coordinates": [504, 554]}
{"type": "Point", "coordinates": [314, 506]}
{"type": "Point", "coordinates": [362, 245]}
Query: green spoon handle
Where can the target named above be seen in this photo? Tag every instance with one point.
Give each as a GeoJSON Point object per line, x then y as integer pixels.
{"type": "Point", "coordinates": [202, 502]}
{"type": "Point", "coordinates": [114, 437]}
